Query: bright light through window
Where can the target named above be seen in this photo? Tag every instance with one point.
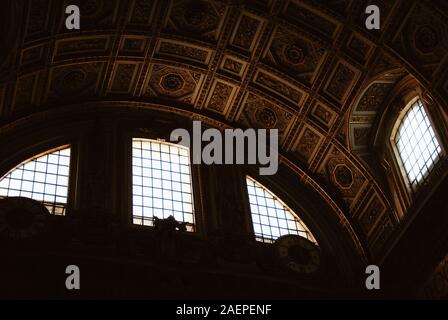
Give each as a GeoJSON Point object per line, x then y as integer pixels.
{"type": "Point", "coordinates": [161, 182]}
{"type": "Point", "coordinates": [43, 178]}
{"type": "Point", "coordinates": [417, 144]}
{"type": "Point", "coordinates": [271, 218]}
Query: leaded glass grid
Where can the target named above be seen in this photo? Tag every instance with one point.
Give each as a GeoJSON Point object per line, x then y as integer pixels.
{"type": "Point", "coordinates": [161, 182]}
{"type": "Point", "coordinates": [272, 218]}
{"type": "Point", "coordinates": [417, 144]}
{"type": "Point", "coordinates": [44, 178]}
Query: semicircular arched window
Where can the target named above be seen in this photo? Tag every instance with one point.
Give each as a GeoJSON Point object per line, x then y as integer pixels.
{"type": "Point", "coordinates": [161, 182]}
{"type": "Point", "coordinates": [44, 178]}
{"type": "Point", "coordinates": [416, 143]}
{"type": "Point", "coordinates": [271, 218]}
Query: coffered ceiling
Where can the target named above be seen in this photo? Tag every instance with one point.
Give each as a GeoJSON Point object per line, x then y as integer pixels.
{"type": "Point", "coordinates": [309, 68]}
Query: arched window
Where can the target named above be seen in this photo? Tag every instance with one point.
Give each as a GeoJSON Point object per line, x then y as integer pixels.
{"type": "Point", "coordinates": [272, 218]}
{"type": "Point", "coordinates": [416, 144]}
{"type": "Point", "coordinates": [44, 178]}
{"type": "Point", "coordinates": [161, 182]}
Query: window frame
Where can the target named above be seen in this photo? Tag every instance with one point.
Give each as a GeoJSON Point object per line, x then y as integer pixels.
{"type": "Point", "coordinates": [403, 174]}
{"type": "Point", "coordinates": [406, 202]}
{"type": "Point", "coordinates": [284, 199]}
{"type": "Point", "coordinates": [31, 153]}
{"type": "Point", "coordinates": [195, 183]}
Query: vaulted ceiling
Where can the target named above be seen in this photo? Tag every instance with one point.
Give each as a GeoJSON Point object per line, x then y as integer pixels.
{"type": "Point", "coordinates": [299, 66]}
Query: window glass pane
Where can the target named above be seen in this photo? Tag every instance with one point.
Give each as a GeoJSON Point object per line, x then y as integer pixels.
{"type": "Point", "coordinates": [161, 182]}
{"type": "Point", "coordinates": [271, 218]}
{"type": "Point", "coordinates": [44, 179]}
{"type": "Point", "coordinates": [417, 144]}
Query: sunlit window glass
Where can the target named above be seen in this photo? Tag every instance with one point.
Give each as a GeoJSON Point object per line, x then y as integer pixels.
{"type": "Point", "coordinates": [271, 218]}
{"type": "Point", "coordinates": [417, 144]}
{"type": "Point", "coordinates": [43, 178]}
{"type": "Point", "coordinates": [161, 182]}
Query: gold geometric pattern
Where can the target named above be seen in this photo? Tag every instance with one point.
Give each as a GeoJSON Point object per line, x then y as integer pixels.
{"type": "Point", "coordinates": [298, 66]}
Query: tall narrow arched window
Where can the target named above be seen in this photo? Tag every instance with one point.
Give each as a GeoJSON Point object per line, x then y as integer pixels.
{"type": "Point", "coordinates": [44, 178]}
{"type": "Point", "coordinates": [161, 182]}
{"type": "Point", "coordinates": [271, 218]}
{"type": "Point", "coordinates": [416, 144]}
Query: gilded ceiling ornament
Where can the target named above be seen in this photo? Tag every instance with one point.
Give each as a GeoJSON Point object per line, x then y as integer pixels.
{"type": "Point", "coordinates": [172, 82]}
{"type": "Point", "coordinates": [266, 117]}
